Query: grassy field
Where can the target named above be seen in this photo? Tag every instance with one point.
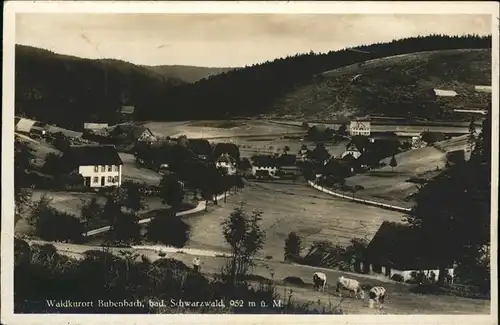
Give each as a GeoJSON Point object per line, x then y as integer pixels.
{"type": "Point", "coordinates": [374, 86]}
{"type": "Point", "coordinates": [389, 186]}
{"type": "Point", "coordinates": [400, 299]}
{"type": "Point", "coordinates": [220, 129]}
{"type": "Point", "coordinates": [291, 207]}
{"type": "Point", "coordinates": [135, 173]}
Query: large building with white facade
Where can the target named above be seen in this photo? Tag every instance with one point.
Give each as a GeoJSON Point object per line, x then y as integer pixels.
{"type": "Point", "coordinates": [360, 127]}
{"type": "Point", "coordinates": [99, 165]}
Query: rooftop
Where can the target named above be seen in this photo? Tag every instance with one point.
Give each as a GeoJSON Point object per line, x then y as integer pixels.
{"type": "Point", "coordinates": [93, 155]}
{"type": "Point", "coordinates": [398, 246]}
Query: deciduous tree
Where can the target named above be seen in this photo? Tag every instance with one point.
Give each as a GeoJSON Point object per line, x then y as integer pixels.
{"type": "Point", "coordinates": [245, 235]}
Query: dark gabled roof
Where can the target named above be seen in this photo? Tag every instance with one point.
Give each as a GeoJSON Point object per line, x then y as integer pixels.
{"type": "Point", "coordinates": [349, 157]}
{"type": "Point", "coordinates": [398, 246]}
{"type": "Point", "coordinates": [93, 155]}
{"type": "Point", "coordinates": [131, 131]}
{"type": "Point", "coordinates": [264, 161]}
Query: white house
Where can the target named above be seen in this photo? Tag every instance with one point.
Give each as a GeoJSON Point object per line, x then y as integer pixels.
{"type": "Point", "coordinates": [360, 127]}
{"type": "Point", "coordinates": [227, 162]}
{"type": "Point", "coordinates": [416, 142]}
{"type": "Point", "coordinates": [351, 150]}
{"type": "Point", "coordinates": [100, 165]}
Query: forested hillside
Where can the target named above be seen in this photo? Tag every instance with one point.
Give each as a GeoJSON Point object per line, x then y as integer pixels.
{"type": "Point", "coordinates": [401, 85]}
{"type": "Point", "coordinates": [67, 90]}
{"type": "Point", "coordinates": [254, 90]}
{"type": "Point", "coordinates": [187, 73]}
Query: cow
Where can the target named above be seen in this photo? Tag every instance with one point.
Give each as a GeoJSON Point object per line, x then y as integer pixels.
{"type": "Point", "coordinates": [377, 295]}
{"type": "Point", "coordinates": [319, 281]}
{"type": "Point", "coordinates": [353, 286]}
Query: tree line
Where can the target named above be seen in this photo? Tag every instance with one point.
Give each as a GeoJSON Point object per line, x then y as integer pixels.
{"type": "Point", "coordinates": [93, 90]}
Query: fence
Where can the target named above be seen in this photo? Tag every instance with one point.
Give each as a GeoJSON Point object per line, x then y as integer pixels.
{"type": "Point", "coordinates": [352, 198]}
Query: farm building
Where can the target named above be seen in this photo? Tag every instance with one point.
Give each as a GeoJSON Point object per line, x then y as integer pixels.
{"type": "Point", "coordinates": [360, 127]}
{"type": "Point", "coordinates": [128, 133]}
{"type": "Point", "coordinates": [99, 165]}
{"type": "Point", "coordinates": [397, 249]}
{"type": "Point", "coordinates": [264, 164]}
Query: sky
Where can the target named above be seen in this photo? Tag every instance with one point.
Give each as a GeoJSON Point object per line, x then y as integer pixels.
{"type": "Point", "coordinates": [226, 40]}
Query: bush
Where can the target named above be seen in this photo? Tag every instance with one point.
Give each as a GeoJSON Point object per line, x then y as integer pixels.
{"type": "Point", "coordinates": [293, 247]}
{"type": "Point", "coordinates": [293, 280]}
{"type": "Point", "coordinates": [397, 278]}
{"type": "Point", "coordinates": [169, 230]}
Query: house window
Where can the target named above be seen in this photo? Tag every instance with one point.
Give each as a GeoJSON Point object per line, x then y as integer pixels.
{"type": "Point", "coordinates": [96, 169]}
{"type": "Point", "coordinates": [117, 168]}
{"type": "Point", "coordinates": [116, 179]}
{"type": "Point", "coordinates": [110, 179]}
{"type": "Point", "coordinates": [103, 168]}
{"type": "Point", "coordinates": [96, 180]}
{"type": "Point", "coordinates": [110, 168]}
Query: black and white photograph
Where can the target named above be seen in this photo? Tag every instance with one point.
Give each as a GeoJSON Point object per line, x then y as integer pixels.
{"type": "Point", "coordinates": [249, 159]}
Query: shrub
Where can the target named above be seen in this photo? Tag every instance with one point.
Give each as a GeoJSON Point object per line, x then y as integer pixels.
{"type": "Point", "coordinates": [293, 247]}
{"type": "Point", "coordinates": [397, 278]}
{"type": "Point", "coordinates": [293, 280]}
{"type": "Point", "coordinates": [169, 230]}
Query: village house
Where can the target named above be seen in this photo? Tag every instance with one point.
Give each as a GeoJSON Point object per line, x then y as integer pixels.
{"type": "Point", "coordinates": [352, 150]}
{"type": "Point", "coordinates": [303, 155]}
{"type": "Point", "coordinates": [128, 133]}
{"type": "Point", "coordinates": [360, 127]}
{"type": "Point", "coordinates": [99, 165]}
{"type": "Point", "coordinates": [226, 162]}
{"type": "Point", "coordinates": [397, 250]}
{"type": "Point", "coordinates": [262, 164]}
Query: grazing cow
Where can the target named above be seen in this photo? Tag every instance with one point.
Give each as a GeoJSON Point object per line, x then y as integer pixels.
{"type": "Point", "coordinates": [319, 280]}
{"type": "Point", "coordinates": [377, 295]}
{"type": "Point", "coordinates": [353, 286]}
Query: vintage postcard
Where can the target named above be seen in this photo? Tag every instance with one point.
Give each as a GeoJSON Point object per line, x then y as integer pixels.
{"type": "Point", "coordinates": [248, 162]}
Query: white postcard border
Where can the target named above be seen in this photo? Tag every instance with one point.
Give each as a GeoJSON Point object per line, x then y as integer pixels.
{"type": "Point", "coordinates": [13, 7]}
